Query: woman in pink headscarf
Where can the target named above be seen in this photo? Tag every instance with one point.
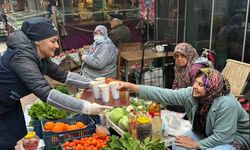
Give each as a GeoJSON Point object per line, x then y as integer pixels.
{"type": "Point", "coordinates": [187, 65]}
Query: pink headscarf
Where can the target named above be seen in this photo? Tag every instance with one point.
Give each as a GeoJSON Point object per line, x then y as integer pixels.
{"type": "Point", "coordinates": [181, 73]}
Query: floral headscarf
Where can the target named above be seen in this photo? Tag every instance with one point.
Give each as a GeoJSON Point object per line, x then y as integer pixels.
{"type": "Point", "coordinates": [181, 73]}
{"type": "Point", "coordinates": [215, 85]}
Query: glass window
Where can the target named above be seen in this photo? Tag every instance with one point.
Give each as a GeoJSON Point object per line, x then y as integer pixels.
{"type": "Point", "coordinates": [228, 30]}
{"type": "Point", "coordinates": [170, 20]}
{"type": "Point", "coordinates": [198, 23]}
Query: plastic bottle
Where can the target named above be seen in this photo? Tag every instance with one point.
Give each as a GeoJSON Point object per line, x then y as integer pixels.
{"type": "Point", "coordinates": [144, 127]}
{"type": "Point", "coordinates": [30, 141]}
{"type": "Point", "coordinates": [132, 118]}
{"type": "Point", "coordinates": [154, 107]}
{"type": "Point", "coordinates": [157, 127]}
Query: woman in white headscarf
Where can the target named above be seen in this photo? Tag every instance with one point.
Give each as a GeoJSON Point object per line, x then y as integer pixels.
{"type": "Point", "coordinates": [101, 59]}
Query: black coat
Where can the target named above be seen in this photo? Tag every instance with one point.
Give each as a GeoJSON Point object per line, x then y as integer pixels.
{"type": "Point", "coordinates": [120, 34]}
{"type": "Point", "coordinates": [23, 72]}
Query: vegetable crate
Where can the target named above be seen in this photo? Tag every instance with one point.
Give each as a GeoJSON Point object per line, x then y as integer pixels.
{"type": "Point", "coordinates": [52, 140]}
{"type": "Point", "coordinates": [38, 128]}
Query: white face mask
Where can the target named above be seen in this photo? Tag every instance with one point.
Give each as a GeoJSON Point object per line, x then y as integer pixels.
{"type": "Point", "coordinates": [99, 38]}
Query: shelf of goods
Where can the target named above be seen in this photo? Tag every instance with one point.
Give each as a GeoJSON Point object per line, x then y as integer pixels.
{"type": "Point", "coordinates": [15, 19]}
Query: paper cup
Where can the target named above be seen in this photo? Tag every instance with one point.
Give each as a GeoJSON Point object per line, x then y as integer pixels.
{"type": "Point", "coordinates": [101, 80]}
{"type": "Point", "coordinates": [113, 88]}
{"type": "Point", "coordinates": [95, 89]}
{"type": "Point", "coordinates": [104, 88]}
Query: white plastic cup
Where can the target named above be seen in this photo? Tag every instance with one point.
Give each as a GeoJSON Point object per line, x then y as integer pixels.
{"type": "Point", "coordinates": [113, 88]}
{"type": "Point", "coordinates": [101, 80]}
{"type": "Point", "coordinates": [104, 89]}
{"type": "Point", "coordinates": [95, 89]}
{"type": "Point", "coordinates": [159, 48]}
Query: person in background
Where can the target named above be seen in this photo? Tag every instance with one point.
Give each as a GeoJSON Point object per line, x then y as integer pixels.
{"type": "Point", "coordinates": [101, 59]}
{"type": "Point", "coordinates": [218, 120]}
{"type": "Point", "coordinates": [20, 5]}
{"type": "Point", "coordinates": [52, 7]}
{"type": "Point", "coordinates": [119, 32]}
{"type": "Point", "coordinates": [147, 18]}
{"type": "Point", "coordinates": [22, 69]}
{"type": "Point", "coordinates": [187, 64]}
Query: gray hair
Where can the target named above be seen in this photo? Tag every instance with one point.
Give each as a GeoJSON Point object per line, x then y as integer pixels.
{"type": "Point", "coordinates": [118, 20]}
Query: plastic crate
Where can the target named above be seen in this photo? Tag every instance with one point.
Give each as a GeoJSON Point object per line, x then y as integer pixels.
{"type": "Point", "coordinates": [38, 128]}
{"type": "Point", "coordinates": [52, 139]}
{"type": "Point", "coordinates": [96, 118]}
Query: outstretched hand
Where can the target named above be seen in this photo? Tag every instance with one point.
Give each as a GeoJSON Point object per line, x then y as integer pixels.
{"type": "Point", "coordinates": [97, 108]}
{"type": "Point", "coordinates": [128, 86]}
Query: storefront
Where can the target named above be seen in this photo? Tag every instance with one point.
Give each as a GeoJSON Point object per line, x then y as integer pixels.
{"type": "Point", "coordinates": [205, 24]}
{"type": "Point", "coordinates": [77, 20]}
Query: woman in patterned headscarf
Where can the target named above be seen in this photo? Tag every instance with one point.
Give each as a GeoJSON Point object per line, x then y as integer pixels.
{"type": "Point", "coordinates": [100, 60]}
{"type": "Point", "coordinates": [212, 85]}
{"type": "Point", "coordinates": [219, 121]}
{"type": "Point", "coordinates": [186, 65]}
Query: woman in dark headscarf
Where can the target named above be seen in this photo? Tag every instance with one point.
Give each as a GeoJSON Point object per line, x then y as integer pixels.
{"type": "Point", "coordinates": [219, 121]}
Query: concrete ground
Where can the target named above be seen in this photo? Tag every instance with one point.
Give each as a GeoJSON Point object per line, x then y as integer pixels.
{"type": "Point", "coordinates": [29, 99]}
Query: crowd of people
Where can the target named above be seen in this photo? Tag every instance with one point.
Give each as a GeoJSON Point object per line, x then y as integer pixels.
{"type": "Point", "coordinates": [199, 90]}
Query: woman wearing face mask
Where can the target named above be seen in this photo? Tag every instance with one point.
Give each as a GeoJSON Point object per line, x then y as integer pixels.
{"type": "Point", "coordinates": [100, 60]}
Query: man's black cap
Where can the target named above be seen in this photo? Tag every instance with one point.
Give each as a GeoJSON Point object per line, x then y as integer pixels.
{"type": "Point", "coordinates": [116, 15]}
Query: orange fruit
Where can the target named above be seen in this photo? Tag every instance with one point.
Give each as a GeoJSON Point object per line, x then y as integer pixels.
{"type": "Point", "coordinates": [49, 125]}
{"type": "Point", "coordinates": [73, 127]}
{"type": "Point", "coordinates": [59, 127]}
{"type": "Point", "coordinates": [80, 125]}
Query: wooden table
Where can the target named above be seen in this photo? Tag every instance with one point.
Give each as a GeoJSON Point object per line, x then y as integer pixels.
{"type": "Point", "coordinates": [124, 100]}
{"type": "Point", "coordinates": [129, 56]}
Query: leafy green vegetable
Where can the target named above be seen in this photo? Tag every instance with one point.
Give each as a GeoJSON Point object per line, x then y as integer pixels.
{"type": "Point", "coordinates": [41, 110]}
{"type": "Point", "coordinates": [138, 104]}
{"type": "Point", "coordinates": [126, 142]}
{"type": "Point", "coordinates": [62, 88]}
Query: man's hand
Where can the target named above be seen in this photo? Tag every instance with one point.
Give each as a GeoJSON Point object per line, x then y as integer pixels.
{"type": "Point", "coordinates": [186, 142]}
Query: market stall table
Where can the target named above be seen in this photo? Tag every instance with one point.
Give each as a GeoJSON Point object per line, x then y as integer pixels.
{"type": "Point", "coordinates": [124, 100]}
{"type": "Point", "coordinates": [130, 56]}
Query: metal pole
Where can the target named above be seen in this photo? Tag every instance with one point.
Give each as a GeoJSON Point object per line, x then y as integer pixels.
{"type": "Point", "coordinates": [156, 21]}
{"type": "Point", "coordinates": [185, 22]}
{"type": "Point", "coordinates": [143, 50]}
{"type": "Point", "coordinates": [177, 22]}
{"type": "Point", "coordinates": [147, 24]}
{"type": "Point", "coordinates": [245, 32]}
{"type": "Point", "coordinates": [211, 26]}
